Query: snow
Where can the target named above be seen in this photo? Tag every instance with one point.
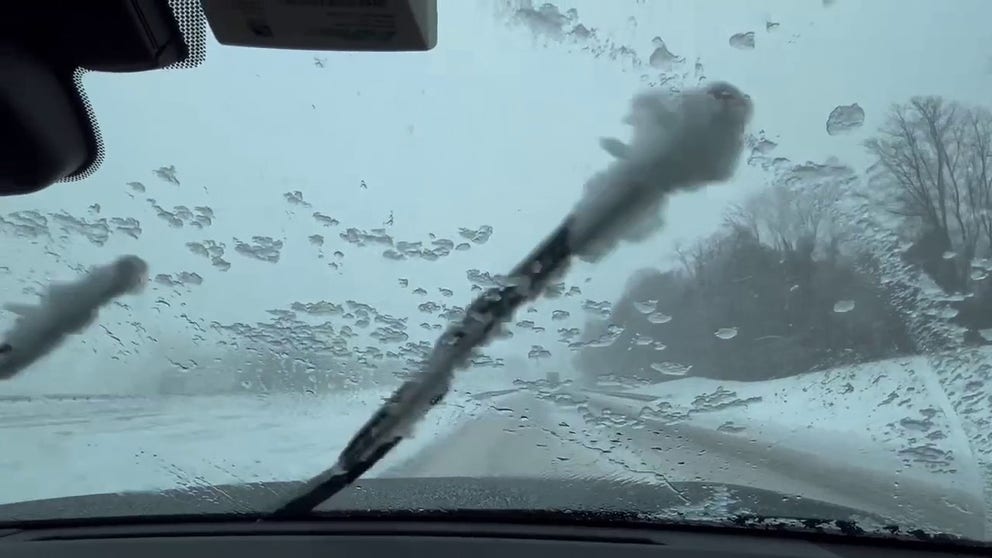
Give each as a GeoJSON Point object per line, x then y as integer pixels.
{"type": "Point", "coordinates": [65, 309]}
{"type": "Point", "coordinates": [881, 437]}
{"type": "Point", "coordinates": [88, 445]}
{"type": "Point", "coordinates": [885, 426]}
{"type": "Point", "coordinates": [679, 142]}
{"type": "Point", "coordinates": [891, 409]}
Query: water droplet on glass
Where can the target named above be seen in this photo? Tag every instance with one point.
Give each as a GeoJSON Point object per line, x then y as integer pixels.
{"type": "Point", "coordinates": [538, 352]}
{"type": "Point", "coordinates": [845, 118]}
{"type": "Point", "coordinates": [646, 306]}
{"type": "Point", "coordinates": [671, 368]}
{"type": "Point", "coordinates": [743, 41]}
{"type": "Point", "coordinates": [642, 340]}
{"type": "Point", "coordinates": [613, 331]}
{"type": "Point", "coordinates": [662, 58]}
{"type": "Point", "coordinates": [726, 333]}
{"type": "Point", "coordinates": [948, 313]}
{"type": "Point", "coordinates": [659, 318]}
{"type": "Point", "coordinates": [843, 306]}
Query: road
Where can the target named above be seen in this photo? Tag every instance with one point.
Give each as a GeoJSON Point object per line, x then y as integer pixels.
{"type": "Point", "coordinates": [64, 448]}
{"type": "Point", "coordinates": [556, 441]}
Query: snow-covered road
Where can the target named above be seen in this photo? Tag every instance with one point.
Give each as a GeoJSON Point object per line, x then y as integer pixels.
{"type": "Point", "coordinates": [61, 447]}
{"type": "Point", "coordinates": [555, 441]}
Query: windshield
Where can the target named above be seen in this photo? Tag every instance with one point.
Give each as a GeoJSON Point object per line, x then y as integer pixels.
{"type": "Point", "coordinates": [815, 328]}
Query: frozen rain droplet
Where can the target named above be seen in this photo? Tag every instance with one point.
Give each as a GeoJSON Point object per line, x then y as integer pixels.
{"type": "Point", "coordinates": [220, 263]}
{"type": "Point", "coordinates": [167, 174]}
{"type": "Point", "coordinates": [671, 368]}
{"type": "Point", "coordinates": [845, 118]}
{"type": "Point", "coordinates": [764, 147]}
{"type": "Point", "coordinates": [726, 333]}
{"type": "Point", "coordinates": [948, 313]}
{"type": "Point", "coordinates": [325, 220]}
{"type": "Point", "coordinates": [613, 331]}
{"type": "Point", "coordinates": [559, 315]}
{"type": "Point", "coordinates": [538, 352]}
{"type": "Point", "coordinates": [986, 334]}
{"type": "Point", "coordinates": [978, 275]}
{"type": "Point", "coordinates": [842, 306]}
{"type": "Point", "coordinates": [659, 318]}
{"type": "Point", "coordinates": [662, 58]}
{"type": "Point", "coordinates": [429, 307]}
{"type": "Point", "coordinates": [642, 340]}
{"type": "Point", "coordinates": [478, 236]}
{"type": "Point", "coordinates": [646, 306]}
{"type": "Point", "coordinates": [949, 255]}
{"type": "Point", "coordinates": [743, 41]}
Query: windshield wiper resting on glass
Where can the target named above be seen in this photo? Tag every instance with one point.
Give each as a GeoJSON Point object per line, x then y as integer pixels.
{"type": "Point", "coordinates": [680, 142]}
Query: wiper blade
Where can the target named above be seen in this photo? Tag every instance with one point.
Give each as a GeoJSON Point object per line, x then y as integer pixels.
{"type": "Point", "coordinates": [680, 142]}
{"type": "Point", "coordinates": [65, 309]}
{"type": "Point", "coordinates": [393, 420]}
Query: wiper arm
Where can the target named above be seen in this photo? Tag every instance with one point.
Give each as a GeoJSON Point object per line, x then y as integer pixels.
{"type": "Point", "coordinates": [394, 419]}
{"type": "Point", "coordinates": [680, 143]}
{"type": "Point", "coordinates": [65, 309]}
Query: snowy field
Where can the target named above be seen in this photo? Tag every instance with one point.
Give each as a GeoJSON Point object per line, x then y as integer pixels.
{"type": "Point", "coordinates": [55, 447]}
{"type": "Point", "coordinates": [883, 436]}
{"type": "Point", "coordinates": [876, 437]}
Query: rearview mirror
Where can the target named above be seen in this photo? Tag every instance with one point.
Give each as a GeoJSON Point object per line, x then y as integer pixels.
{"type": "Point", "coordinates": [44, 130]}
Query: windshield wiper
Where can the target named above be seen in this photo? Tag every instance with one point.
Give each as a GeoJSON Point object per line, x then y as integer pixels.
{"type": "Point", "coordinates": [394, 419]}
{"type": "Point", "coordinates": [680, 142]}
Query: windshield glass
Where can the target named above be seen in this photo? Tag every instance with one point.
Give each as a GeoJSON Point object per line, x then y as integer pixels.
{"type": "Point", "coordinates": [815, 328]}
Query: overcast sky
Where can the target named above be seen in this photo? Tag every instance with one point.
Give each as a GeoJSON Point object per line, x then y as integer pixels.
{"type": "Point", "coordinates": [496, 126]}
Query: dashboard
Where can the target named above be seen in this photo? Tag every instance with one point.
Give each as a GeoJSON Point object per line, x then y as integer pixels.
{"type": "Point", "coordinates": [436, 539]}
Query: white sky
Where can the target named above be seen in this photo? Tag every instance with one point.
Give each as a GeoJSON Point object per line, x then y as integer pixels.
{"type": "Point", "coordinates": [491, 127]}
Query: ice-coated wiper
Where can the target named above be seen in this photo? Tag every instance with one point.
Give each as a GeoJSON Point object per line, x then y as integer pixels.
{"type": "Point", "coordinates": [680, 142]}
{"type": "Point", "coordinates": [65, 309]}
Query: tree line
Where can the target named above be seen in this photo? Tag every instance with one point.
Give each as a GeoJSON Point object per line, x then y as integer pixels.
{"type": "Point", "coordinates": [784, 288]}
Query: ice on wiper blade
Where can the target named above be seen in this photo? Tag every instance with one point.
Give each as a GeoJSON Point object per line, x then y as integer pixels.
{"type": "Point", "coordinates": [65, 309]}
{"type": "Point", "coordinates": [680, 142]}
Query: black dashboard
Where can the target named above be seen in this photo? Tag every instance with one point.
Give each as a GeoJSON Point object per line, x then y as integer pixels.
{"type": "Point", "coordinates": [393, 539]}
{"type": "Point", "coordinates": [460, 517]}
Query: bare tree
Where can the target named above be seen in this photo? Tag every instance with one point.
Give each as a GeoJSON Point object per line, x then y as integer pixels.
{"type": "Point", "coordinates": [978, 170]}
{"type": "Point", "coordinates": [794, 221]}
{"type": "Point", "coordinates": [939, 156]}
